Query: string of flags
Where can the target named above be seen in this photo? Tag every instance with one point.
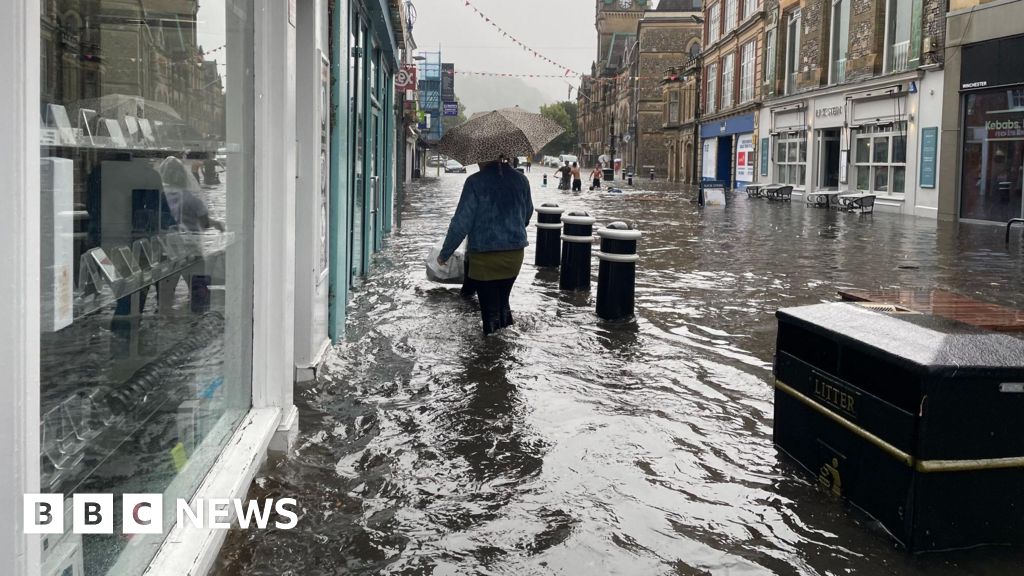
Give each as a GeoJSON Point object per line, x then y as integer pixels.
{"type": "Point", "coordinates": [506, 74]}
{"type": "Point", "coordinates": [568, 71]}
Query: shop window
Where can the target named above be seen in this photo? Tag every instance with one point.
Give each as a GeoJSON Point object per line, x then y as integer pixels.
{"type": "Point", "coordinates": [880, 158]}
{"type": "Point", "coordinates": [791, 158]}
{"type": "Point", "coordinates": [747, 72]}
{"type": "Point", "coordinates": [840, 40]}
{"type": "Point", "coordinates": [992, 176]}
{"type": "Point", "coordinates": [728, 80]}
{"type": "Point", "coordinates": [714, 23]}
{"type": "Point", "coordinates": [146, 266]}
{"type": "Point", "coordinates": [712, 95]}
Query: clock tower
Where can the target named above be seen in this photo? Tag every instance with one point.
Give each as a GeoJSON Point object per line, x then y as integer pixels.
{"type": "Point", "coordinates": [616, 22]}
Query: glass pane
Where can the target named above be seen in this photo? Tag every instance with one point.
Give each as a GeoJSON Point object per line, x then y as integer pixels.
{"type": "Point", "coordinates": [898, 179]}
{"type": "Point", "coordinates": [780, 152]}
{"type": "Point", "coordinates": [803, 150]}
{"type": "Point", "coordinates": [880, 154]}
{"type": "Point", "coordinates": [863, 150]}
{"type": "Point", "coordinates": [881, 179]}
{"type": "Point", "coordinates": [863, 178]}
{"type": "Point", "coordinates": [899, 149]}
{"type": "Point", "coordinates": [794, 153]}
{"type": "Point", "coordinates": [147, 180]}
{"type": "Point", "coordinates": [802, 179]}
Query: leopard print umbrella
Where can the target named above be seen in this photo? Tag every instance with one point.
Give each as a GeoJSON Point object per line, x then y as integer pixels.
{"type": "Point", "coordinates": [508, 132]}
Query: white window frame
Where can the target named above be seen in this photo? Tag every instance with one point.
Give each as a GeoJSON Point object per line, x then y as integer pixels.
{"type": "Point", "coordinates": [770, 41]}
{"type": "Point", "coordinates": [728, 79]}
{"type": "Point", "coordinates": [792, 67]}
{"type": "Point", "coordinates": [731, 15]}
{"type": "Point", "coordinates": [673, 107]}
{"type": "Point", "coordinates": [714, 23]}
{"type": "Point", "coordinates": [871, 167]}
{"type": "Point", "coordinates": [749, 8]}
{"type": "Point", "coordinates": [748, 64]}
{"type": "Point", "coordinates": [893, 44]}
{"type": "Point", "coordinates": [837, 66]}
{"type": "Point", "coordinates": [711, 100]}
{"type": "Point", "coordinates": [784, 166]}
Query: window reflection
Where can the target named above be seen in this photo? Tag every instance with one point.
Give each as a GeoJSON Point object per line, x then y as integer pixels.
{"type": "Point", "coordinates": [993, 155]}
{"type": "Point", "coordinates": [146, 115]}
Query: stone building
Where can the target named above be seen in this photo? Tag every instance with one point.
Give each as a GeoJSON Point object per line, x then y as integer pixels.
{"type": "Point", "coordinates": [852, 98]}
{"type": "Point", "coordinates": [733, 38]}
{"type": "Point", "coordinates": [620, 109]}
{"type": "Point", "coordinates": [981, 140]}
{"type": "Point", "coordinates": [680, 97]}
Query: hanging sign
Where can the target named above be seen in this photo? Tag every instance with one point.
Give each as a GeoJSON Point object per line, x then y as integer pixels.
{"type": "Point", "coordinates": [406, 78]}
{"type": "Point", "coordinates": [765, 144]}
{"type": "Point", "coordinates": [451, 108]}
{"type": "Point", "coordinates": [448, 82]}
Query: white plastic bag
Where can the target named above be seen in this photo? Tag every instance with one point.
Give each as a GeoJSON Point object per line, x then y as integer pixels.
{"type": "Point", "coordinates": [452, 271]}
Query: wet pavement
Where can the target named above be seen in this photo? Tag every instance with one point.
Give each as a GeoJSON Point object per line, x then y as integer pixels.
{"type": "Point", "coordinates": [568, 445]}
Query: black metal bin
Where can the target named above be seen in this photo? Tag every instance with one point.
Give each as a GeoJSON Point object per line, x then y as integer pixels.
{"type": "Point", "coordinates": [917, 420]}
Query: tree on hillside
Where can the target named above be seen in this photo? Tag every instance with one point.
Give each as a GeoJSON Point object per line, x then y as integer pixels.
{"type": "Point", "coordinates": [564, 113]}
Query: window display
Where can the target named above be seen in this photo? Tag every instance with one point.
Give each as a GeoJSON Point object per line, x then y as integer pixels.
{"type": "Point", "coordinates": [993, 156]}
{"type": "Point", "coordinates": [791, 158]}
{"type": "Point", "coordinates": [146, 115]}
{"type": "Point", "coordinates": [880, 158]}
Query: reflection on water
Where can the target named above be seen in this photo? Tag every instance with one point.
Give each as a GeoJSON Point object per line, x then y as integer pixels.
{"type": "Point", "coordinates": [568, 445]}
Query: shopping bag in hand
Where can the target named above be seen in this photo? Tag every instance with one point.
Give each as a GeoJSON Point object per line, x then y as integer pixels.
{"type": "Point", "coordinates": [452, 271]}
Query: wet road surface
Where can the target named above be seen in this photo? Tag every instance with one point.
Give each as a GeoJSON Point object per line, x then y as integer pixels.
{"type": "Point", "coordinates": [568, 445]}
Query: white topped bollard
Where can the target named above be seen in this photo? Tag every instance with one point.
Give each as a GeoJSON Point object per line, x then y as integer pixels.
{"type": "Point", "coordinates": [616, 274]}
{"type": "Point", "coordinates": [577, 236]}
{"type": "Point", "coordinates": [549, 235]}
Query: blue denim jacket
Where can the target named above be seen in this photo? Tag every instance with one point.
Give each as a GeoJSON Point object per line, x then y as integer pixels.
{"type": "Point", "coordinates": [494, 211]}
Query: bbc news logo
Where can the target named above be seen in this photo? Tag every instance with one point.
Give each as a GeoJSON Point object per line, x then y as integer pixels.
{"type": "Point", "coordinates": [144, 513]}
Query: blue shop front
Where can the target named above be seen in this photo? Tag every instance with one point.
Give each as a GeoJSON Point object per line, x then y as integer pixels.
{"type": "Point", "coordinates": [728, 152]}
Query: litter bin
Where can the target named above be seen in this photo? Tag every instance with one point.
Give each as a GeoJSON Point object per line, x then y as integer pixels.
{"type": "Point", "coordinates": [913, 418]}
{"type": "Point", "coordinates": [609, 174]}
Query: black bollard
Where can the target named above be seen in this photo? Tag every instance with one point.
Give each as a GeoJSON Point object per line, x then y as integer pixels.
{"type": "Point", "coordinates": [577, 236]}
{"type": "Point", "coordinates": [616, 274]}
{"type": "Point", "coordinates": [549, 235]}
{"type": "Point", "coordinates": [545, 183]}
{"type": "Point", "coordinates": [629, 179]}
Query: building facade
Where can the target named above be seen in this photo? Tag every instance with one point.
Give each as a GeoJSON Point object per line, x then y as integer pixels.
{"type": "Point", "coordinates": [198, 187]}
{"type": "Point", "coordinates": [681, 101]}
{"type": "Point", "coordinates": [731, 90]}
{"type": "Point", "coordinates": [853, 97]}
{"type": "Point", "coordinates": [982, 137]}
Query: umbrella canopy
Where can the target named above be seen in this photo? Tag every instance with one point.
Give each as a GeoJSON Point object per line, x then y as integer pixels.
{"type": "Point", "coordinates": [508, 132]}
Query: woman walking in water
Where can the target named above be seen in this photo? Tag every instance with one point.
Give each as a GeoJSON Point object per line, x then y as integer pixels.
{"type": "Point", "coordinates": [494, 211]}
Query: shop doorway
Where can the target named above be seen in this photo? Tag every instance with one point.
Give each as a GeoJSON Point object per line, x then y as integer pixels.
{"type": "Point", "coordinates": [724, 169]}
{"type": "Point", "coordinates": [828, 159]}
{"type": "Point", "coordinates": [357, 77]}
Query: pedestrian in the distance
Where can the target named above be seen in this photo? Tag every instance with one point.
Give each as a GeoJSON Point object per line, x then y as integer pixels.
{"type": "Point", "coordinates": [564, 173]}
{"type": "Point", "coordinates": [596, 176]}
{"type": "Point", "coordinates": [577, 180]}
{"type": "Point", "coordinates": [494, 211]}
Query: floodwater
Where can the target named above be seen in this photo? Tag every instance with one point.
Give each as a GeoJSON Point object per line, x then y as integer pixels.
{"type": "Point", "coordinates": [568, 445]}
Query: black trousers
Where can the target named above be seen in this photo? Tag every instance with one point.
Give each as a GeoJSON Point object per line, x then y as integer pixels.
{"type": "Point", "coordinates": [495, 310]}
{"type": "Point", "coordinates": [577, 185]}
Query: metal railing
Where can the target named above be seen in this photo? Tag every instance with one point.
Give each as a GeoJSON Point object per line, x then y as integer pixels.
{"type": "Point", "coordinates": [900, 56]}
{"type": "Point", "coordinates": [838, 70]}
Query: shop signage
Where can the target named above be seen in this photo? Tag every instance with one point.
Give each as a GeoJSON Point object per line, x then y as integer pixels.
{"type": "Point", "coordinates": [447, 82]}
{"type": "Point", "coordinates": [451, 108]}
{"type": "Point", "coordinates": [1012, 127]}
{"type": "Point", "coordinates": [745, 158]}
{"type": "Point", "coordinates": [710, 158]}
{"type": "Point", "coordinates": [406, 78]}
{"type": "Point", "coordinates": [929, 151]}
{"type": "Point", "coordinates": [828, 111]}
{"type": "Point", "coordinates": [765, 144]}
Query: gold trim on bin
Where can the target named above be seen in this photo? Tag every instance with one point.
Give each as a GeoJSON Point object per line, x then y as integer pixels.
{"type": "Point", "coordinates": [923, 466]}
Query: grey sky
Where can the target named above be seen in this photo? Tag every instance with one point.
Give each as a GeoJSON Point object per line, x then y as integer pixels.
{"type": "Point", "coordinates": [562, 30]}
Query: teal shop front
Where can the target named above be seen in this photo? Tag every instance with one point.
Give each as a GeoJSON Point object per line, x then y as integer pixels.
{"type": "Point", "coordinates": [364, 56]}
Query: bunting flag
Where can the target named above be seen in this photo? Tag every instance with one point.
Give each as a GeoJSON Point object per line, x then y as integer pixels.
{"type": "Point", "coordinates": [590, 80]}
{"type": "Point", "coordinates": [568, 71]}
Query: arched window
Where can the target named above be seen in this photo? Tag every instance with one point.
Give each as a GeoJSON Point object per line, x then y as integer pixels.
{"type": "Point", "coordinates": [694, 49]}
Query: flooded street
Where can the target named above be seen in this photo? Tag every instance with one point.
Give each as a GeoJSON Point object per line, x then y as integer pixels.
{"type": "Point", "coordinates": [568, 445]}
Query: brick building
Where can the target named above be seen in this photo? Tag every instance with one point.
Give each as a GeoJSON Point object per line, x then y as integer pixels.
{"type": "Point", "coordinates": [680, 98]}
{"type": "Point", "coordinates": [733, 38]}
{"type": "Point", "coordinates": [852, 98]}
